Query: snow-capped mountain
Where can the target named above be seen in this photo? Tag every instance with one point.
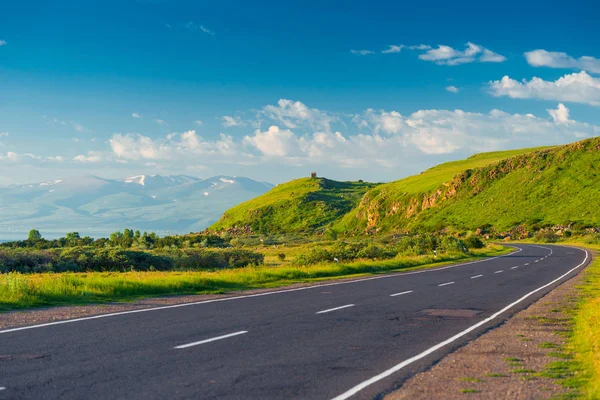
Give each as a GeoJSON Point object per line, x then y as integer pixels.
{"type": "Point", "coordinates": [97, 206]}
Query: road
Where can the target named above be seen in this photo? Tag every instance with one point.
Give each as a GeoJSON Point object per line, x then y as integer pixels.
{"type": "Point", "coordinates": [355, 339]}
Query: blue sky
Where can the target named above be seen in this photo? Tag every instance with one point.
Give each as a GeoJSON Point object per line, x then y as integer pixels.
{"type": "Point", "coordinates": [273, 90]}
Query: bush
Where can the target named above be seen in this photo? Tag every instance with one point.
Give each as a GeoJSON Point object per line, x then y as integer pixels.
{"type": "Point", "coordinates": [473, 242]}
{"type": "Point", "coordinates": [89, 259]}
{"type": "Point", "coordinates": [546, 237]}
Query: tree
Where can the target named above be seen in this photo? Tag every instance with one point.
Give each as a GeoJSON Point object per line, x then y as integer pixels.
{"type": "Point", "coordinates": [34, 235]}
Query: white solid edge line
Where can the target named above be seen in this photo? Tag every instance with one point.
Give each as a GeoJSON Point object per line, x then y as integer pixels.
{"type": "Point", "coordinates": [184, 346]}
{"type": "Point", "coordinates": [401, 293]}
{"type": "Point", "coordinates": [476, 276]}
{"type": "Point", "coordinates": [334, 309]}
{"type": "Point", "coordinates": [438, 346]}
{"type": "Point", "coordinates": [497, 272]}
{"type": "Point", "coordinates": [68, 321]}
{"type": "Point", "coordinates": [446, 284]}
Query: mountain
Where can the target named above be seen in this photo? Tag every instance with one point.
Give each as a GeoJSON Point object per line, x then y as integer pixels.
{"type": "Point", "coordinates": [98, 206]}
{"type": "Point", "coordinates": [302, 205]}
{"type": "Point", "coordinates": [507, 192]}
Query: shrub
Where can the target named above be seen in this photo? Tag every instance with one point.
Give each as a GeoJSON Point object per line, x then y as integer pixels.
{"type": "Point", "coordinates": [545, 237]}
{"type": "Point", "coordinates": [473, 242]}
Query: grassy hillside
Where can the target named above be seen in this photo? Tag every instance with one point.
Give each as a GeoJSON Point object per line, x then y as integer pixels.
{"type": "Point", "coordinates": [533, 187]}
{"type": "Point", "coordinates": [301, 205]}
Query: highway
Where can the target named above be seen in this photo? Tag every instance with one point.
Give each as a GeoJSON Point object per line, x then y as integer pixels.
{"type": "Point", "coordinates": [353, 339]}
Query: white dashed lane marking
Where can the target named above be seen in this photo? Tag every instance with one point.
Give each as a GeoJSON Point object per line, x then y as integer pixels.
{"type": "Point", "coordinates": [184, 346]}
{"type": "Point", "coordinates": [476, 276]}
{"type": "Point", "coordinates": [401, 293]}
{"type": "Point", "coordinates": [335, 309]}
{"type": "Point", "coordinates": [446, 284]}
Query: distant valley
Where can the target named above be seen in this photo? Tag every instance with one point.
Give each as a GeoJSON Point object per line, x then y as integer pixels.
{"type": "Point", "coordinates": [96, 206]}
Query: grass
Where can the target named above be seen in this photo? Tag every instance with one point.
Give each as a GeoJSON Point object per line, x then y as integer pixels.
{"type": "Point", "coordinates": [469, 379]}
{"type": "Point", "coordinates": [19, 291]}
{"type": "Point", "coordinates": [300, 205]}
{"type": "Point", "coordinates": [530, 187]}
{"type": "Point", "coordinates": [578, 365]}
{"type": "Point", "coordinates": [469, 391]}
{"type": "Point", "coordinates": [496, 375]}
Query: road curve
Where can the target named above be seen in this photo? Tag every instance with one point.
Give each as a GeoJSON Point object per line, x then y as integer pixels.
{"type": "Point", "coordinates": [354, 339]}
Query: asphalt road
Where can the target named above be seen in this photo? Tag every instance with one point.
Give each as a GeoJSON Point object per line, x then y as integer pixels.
{"type": "Point", "coordinates": [354, 339]}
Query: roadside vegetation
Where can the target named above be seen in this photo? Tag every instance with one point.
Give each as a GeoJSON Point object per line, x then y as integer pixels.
{"type": "Point", "coordinates": [37, 272]}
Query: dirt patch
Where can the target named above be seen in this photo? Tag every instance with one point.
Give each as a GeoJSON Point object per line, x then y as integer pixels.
{"type": "Point", "coordinates": [505, 363]}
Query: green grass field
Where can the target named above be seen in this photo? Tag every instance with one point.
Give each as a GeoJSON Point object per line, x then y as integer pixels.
{"type": "Point", "coordinates": [301, 205]}
{"type": "Point", "coordinates": [18, 291]}
{"type": "Point", "coordinates": [529, 187]}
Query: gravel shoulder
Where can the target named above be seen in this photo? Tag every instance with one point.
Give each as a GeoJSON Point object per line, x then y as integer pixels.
{"type": "Point", "coordinates": [507, 362]}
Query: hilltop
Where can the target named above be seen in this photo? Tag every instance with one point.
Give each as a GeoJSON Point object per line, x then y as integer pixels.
{"type": "Point", "coordinates": [530, 188]}
{"type": "Point", "coordinates": [301, 205]}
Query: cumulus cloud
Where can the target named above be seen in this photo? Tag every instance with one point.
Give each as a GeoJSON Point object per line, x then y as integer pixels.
{"type": "Point", "coordinates": [452, 89]}
{"type": "Point", "coordinates": [560, 115]}
{"type": "Point", "coordinates": [392, 48]}
{"type": "Point", "coordinates": [361, 52]}
{"type": "Point", "coordinates": [229, 122]}
{"type": "Point", "coordinates": [577, 87]}
{"type": "Point", "coordinates": [135, 115]}
{"type": "Point", "coordinates": [292, 134]}
{"type": "Point", "coordinates": [3, 134]}
{"type": "Point", "coordinates": [275, 142]}
{"type": "Point", "coordinates": [293, 114]}
{"type": "Point", "coordinates": [90, 157]}
{"type": "Point", "coordinates": [446, 55]}
{"type": "Point", "coordinates": [553, 59]}
{"type": "Point", "coordinates": [134, 146]}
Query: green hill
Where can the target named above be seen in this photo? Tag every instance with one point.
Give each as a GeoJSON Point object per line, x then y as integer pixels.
{"type": "Point", "coordinates": [301, 205]}
{"type": "Point", "coordinates": [530, 187]}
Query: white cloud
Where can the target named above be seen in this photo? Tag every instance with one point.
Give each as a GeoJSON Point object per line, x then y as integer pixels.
{"type": "Point", "coordinates": [452, 89]}
{"type": "Point", "coordinates": [3, 134]}
{"type": "Point", "coordinates": [135, 115]}
{"type": "Point", "coordinates": [560, 115]}
{"type": "Point", "coordinates": [78, 127]}
{"type": "Point", "coordinates": [446, 55]}
{"type": "Point", "coordinates": [161, 122]}
{"type": "Point", "coordinates": [175, 146]}
{"type": "Point", "coordinates": [206, 30]}
{"type": "Point", "coordinates": [361, 52]}
{"type": "Point", "coordinates": [373, 140]}
{"type": "Point", "coordinates": [191, 26]}
{"type": "Point", "coordinates": [229, 122]}
{"type": "Point", "coordinates": [393, 49]}
{"type": "Point", "coordinates": [294, 114]}
{"type": "Point", "coordinates": [91, 157]}
{"type": "Point", "coordinates": [420, 47]}
{"type": "Point", "coordinates": [553, 59]}
{"type": "Point", "coordinates": [275, 142]}
{"type": "Point", "coordinates": [577, 87]}
{"type": "Point", "coordinates": [2, 43]}
{"type": "Point", "coordinates": [198, 122]}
